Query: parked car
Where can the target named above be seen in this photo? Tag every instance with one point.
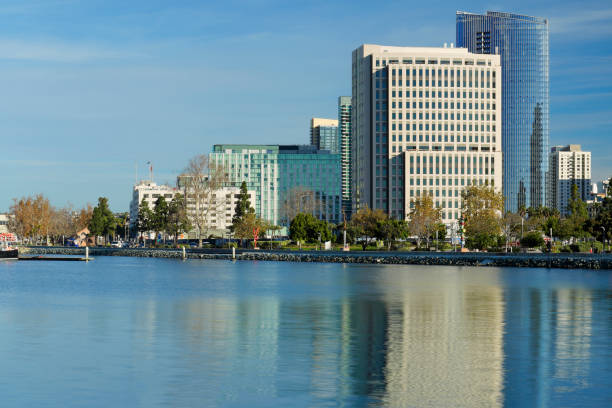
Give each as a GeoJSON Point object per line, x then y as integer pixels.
{"type": "Point", "coordinates": [117, 244]}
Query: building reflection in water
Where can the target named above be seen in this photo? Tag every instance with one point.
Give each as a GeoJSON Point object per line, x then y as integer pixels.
{"type": "Point", "coordinates": [388, 336]}
{"type": "Point", "coordinates": [445, 340]}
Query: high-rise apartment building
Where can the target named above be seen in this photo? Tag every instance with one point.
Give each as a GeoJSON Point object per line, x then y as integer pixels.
{"type": "Point", "coordinates": [275, 173]}
{"type": "Point", "coordinates": [522, 43]}
{"type": "Point", "coordinates": [344, 135]}
{"type": "Point", "coordinates": [324, 134]}
{"type": "Point", "coordinates": [425, 121]}
{"type": "Point", "coordinates": [569, 166]}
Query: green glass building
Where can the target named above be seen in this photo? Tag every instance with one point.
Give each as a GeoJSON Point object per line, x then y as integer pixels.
{"type": "Point", "coordinates": [286, 179]}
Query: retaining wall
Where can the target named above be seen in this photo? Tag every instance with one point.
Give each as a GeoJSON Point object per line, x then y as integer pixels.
{"type": "Point", "coordinates": [566, 261]}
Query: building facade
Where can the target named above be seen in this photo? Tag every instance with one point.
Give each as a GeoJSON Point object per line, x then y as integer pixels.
{"type": "Point", "coordinates": [344, 135]}
{"type": "Point", "coordinates": [275, 172]}
{"type": "Point", "coordinates": [217, 207]}
{"type": "Point", "coordinates": [425, 121]}
{"type": "Point", "coordinates": [522, 43]}
{"type": "Point", "coordinates": [569, 166]}
{"type": "Point", "coordinates": [324, 134]}
{"type": "Point", "coordinates": [148, 191]}
{"type": "Point", "coordinates": [4, 223]}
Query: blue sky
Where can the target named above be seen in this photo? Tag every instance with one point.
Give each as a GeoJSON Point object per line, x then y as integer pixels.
{"type": "Point", "coordinates": [92, 90]}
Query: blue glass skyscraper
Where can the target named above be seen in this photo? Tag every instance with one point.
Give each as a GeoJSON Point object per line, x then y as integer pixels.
{"type": "Point", "coordinates": [522, 43]}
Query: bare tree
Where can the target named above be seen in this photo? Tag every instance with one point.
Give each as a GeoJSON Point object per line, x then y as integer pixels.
{"type": "Point", "coordinates": [299, 200]}
{"type": "Point", "coordinates": [62, 223]}
{"type": "Point", "coordinates": [202, 180]}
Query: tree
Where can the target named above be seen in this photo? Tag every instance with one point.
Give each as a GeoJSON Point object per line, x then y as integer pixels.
{"type": "Point", "coordinates": [424, 218]}
{"type": "Point", "coordinates": [202, 180]}
{"type": "Point", "coordinates": [298, 200]}
{"type": "Point", "coordinates": [145, 218]}
{"type": "Point", "coordinates": [365, 224]}
{"type": "Point", "coordinates": [301, 227]}
{"type": "Point", "coordinates": [510, 227]}
{"type": "Point", "coordinates": [103, 221]}
{"type": "Point", "coordinates": [481, 240]}
{"type": "Point", "coordinates": [320, 231]}
{"type": "Point", "coordinates": [248, 225]}
{"type": "Point", "coordinates": [62, 223]}
{"type": "Point", "coordinates": [578, 214]}
{"type": "Point", "coordinates": [482, 210]}
{"type": "Point", "coordinates": [30, 217]}
{"type": "Point", "coordinates": [602, 225]}
{"type": "Point", "coordinates": [82, 218]}
{"type": "Point", "coordinates": [389, 230]}
{"type": "Point", "coordinates": [532, 239]}
{"type": "Point", "coordinates": [178, 221]}
{"type": "Point", "coordinates": [123, 220]}
{"type": "Point", "coordinates": [305, 227]}
{"type": "Point", "coordinates": [440, 229]}
{"type": "Point", "coordinates": [243, 207]}
{"type": "Point", "coordinates": [160, 216]}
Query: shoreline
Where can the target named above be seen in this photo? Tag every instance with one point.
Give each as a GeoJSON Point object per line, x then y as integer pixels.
{"type": "Point", "coordinates": [519, 260]}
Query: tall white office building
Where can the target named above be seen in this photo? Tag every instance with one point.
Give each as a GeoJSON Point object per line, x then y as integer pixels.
{"type": "Point", "coordinates": [425, 120]}
{"type": "Point", "coordinates": [568, 165]}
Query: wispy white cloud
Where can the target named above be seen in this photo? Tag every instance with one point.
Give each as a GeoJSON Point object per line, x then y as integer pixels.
{"type": "Point", "coordinates": [57, 51]}
{"type": "Point", "coordinates": [583, 23]}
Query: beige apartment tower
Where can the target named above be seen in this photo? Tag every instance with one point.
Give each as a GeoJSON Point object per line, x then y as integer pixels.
{"type": "Point", "coordinates": [425, 121]}
{"type": "Point", "coordinates": [568, 166]}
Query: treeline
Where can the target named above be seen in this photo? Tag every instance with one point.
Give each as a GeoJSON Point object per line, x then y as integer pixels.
{"type": "Point", "coordinates": [368, 225]}
{"type": "Point", "coordinates": [166, 219]}
{"type": "Point", "coordinates": [36, 221]}
{"type": "Point", "coordinates": [484, 224]}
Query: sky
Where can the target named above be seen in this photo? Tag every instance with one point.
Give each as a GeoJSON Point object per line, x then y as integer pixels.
{"type": "Point", "coordinates": [90, 91]}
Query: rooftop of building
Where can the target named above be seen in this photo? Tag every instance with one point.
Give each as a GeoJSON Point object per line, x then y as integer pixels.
{"type": "Point", "coordinates": [568, 148]}
{"type": "Point", "coordinates": [280, 149]}
{"type": "Point", "coordinates": [424, 53]}
{"type": "Point", "coordinates": [148, 184]}
{"type": "Point", "coordinates": [315, 122]}
{"type": "Point", "coordinates": [502, 14]}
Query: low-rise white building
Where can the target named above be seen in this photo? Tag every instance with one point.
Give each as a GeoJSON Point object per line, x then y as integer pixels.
{"type": "Point", "coordinates": [4, 221]}
{"type": "Point", "coordinates": [220, 209]}
{"type": "Point", "coordinates": [150, 192]}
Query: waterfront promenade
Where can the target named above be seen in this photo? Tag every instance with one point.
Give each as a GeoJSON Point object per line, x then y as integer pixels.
{"type": "Point", "coordinates": [529, 260]}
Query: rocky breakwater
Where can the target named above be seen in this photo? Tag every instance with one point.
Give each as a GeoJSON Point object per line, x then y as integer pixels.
{"type": "Point", "coordinates": [132, 252]}
{"type": "Point", "coordinates": [565, 261]}
{"type": "Point", "coordinates": [575, 261]}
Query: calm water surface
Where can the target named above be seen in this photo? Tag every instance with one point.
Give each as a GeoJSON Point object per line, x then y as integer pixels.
{"type": "Point", "coordinates": [152, 332]}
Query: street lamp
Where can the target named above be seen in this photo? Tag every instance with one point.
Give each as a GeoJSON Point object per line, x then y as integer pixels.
{"type": "Point", "coordinates": [603, 239]}
{"type": "Point", "coordinates": [436, 240]}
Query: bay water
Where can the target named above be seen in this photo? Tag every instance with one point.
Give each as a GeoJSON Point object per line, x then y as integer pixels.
{"type": "Point", "coordinates": [147, 332]}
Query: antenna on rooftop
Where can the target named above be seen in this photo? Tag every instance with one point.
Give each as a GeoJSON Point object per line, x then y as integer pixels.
{"type": "Point", "coordinates": [150, 171]}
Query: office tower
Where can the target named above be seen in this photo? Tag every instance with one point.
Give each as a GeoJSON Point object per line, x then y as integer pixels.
{"type": "Point", "coordinates": [324, 134]}
{"type": "Point", "coordinates": [425, 120]}
{"type": "Point", "coordinates": [279, 173]}
{"type": "Point", "coordinates": [569, 165]}
{"type": "Point", "coordinates": [344, 134]}
{"type": "Point", "coordinates": [522, 43]}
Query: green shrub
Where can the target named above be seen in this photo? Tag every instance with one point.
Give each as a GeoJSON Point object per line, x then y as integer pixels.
{"type": "Point", "coordinates": [532, 240]}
